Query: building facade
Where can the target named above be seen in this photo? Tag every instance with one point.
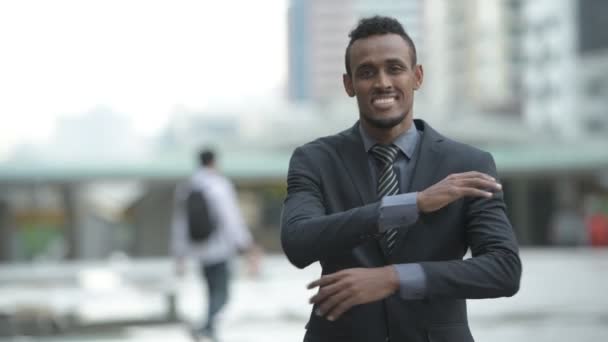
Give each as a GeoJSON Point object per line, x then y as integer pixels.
{"type": "Point", "coordinates": [473, 56]}
{"type": "Point", "coordinates": [566, 69]}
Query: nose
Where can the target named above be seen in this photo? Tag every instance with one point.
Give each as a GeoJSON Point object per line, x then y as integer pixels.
{"type": "Point", "coordinates": [383, 81]}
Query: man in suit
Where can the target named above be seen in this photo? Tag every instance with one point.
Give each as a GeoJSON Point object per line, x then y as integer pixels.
{"type": "Point", "coordinates": [389, 208]}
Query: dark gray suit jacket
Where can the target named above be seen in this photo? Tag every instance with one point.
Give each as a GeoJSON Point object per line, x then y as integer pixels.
{"type": "Point", "coordinates": [330, 215]}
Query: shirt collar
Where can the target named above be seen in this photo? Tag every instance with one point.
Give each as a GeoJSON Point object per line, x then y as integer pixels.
{"type": "Point", "coordinates": [406, 142]}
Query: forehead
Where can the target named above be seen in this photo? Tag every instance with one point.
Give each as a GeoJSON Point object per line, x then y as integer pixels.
{"type": "Point", "coordinates": [379, 48]}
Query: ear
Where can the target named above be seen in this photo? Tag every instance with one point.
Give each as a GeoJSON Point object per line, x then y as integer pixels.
{"type": "Point", "coordinates": [348, 85]}
{"type": "Point", "coordinates": [419, 76]}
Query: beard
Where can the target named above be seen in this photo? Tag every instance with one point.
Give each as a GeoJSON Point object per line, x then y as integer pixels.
{"type": "Point", "coordinates": [384, 123]}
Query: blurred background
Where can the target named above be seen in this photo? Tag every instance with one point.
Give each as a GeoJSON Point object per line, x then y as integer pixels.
{"type": "Point", "coordinates": [103, 105]}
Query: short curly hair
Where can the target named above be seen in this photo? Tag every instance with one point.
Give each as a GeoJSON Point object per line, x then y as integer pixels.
{"type": "Point", "coordinates": [377, 25]}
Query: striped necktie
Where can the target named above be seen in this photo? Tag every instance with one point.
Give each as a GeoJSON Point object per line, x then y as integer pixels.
{"type": "Point", "coordinates": [388, 184]}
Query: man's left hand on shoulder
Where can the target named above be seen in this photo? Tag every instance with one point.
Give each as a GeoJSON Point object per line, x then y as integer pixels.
{"type": "Point", "coordinates": [340, 291]}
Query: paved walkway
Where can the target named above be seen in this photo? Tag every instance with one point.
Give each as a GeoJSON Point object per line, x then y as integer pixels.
{"type": "Point", "coordinates": [563, 297]}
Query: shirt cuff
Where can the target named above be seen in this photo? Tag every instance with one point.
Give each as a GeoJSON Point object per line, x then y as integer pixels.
{"type": "Point", "coordinates": [412, 281]}
{"type": "Point", "coordinates": [398, 211]}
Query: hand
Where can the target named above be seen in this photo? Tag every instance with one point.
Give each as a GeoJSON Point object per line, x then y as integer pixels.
{"type": "Point", "coordinates": [456, 186]}
{"type": "Point", "coordinates": [253, 258]}
{"type": "Point", "coordinates": [342, 290]}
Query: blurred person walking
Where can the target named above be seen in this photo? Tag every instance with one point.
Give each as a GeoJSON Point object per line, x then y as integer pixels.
{"type": "Point", "coordinates": [389, 207]}
{"type": "Point", "coordinates": [208, 226]}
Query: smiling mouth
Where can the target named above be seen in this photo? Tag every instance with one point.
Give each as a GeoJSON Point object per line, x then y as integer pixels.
{"type": "Point", "coordinates": [384, 102]}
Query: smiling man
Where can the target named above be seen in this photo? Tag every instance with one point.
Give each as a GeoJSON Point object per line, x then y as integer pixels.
{"type": "Point", "coordinates": [389, 207]}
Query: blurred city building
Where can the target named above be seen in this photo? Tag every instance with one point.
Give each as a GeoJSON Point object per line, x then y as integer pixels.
{"type": "Point", "coordinates": [473, 57]}
{"type": "Point", "coordinates": [566, 66]}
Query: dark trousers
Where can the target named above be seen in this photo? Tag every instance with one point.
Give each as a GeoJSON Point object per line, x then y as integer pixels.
{"type": "Point", "coordinates": [217, 277]}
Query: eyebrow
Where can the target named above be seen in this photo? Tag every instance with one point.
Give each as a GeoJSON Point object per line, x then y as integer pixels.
{"type": "Point", "coordinates": [364, 65]}
{"type": "Point", "coordinates": [386, 61]}
{"type": "Point", "coordinates": [396, 61]}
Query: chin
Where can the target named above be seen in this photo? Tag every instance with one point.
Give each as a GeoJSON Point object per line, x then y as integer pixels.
{"type": "Point", "coordinates": [385, 121]}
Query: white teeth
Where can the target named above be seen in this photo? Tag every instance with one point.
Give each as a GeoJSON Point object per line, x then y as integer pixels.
{"type": "Point", "coordinates": [384, 100]}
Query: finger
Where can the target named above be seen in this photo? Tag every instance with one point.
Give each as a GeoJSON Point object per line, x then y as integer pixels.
{"type": "Point", "coordinates": [324, 292]}
{"type": "Point", "coordinates": [473, 192]}
{"type": "Point", "coordinates": [332, 301]}
{"type": "Point", "coordinates": [324, 281]}
{"type": "Point", "coordinates": [341, 308]}
{"type": "Point", "coordinates": [473, 174]}
{"type": "Point", "coordinates": [480, 183]}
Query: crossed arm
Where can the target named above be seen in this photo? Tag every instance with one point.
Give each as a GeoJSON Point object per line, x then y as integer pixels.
{"type": "Point", "coordinates": [309, 235]}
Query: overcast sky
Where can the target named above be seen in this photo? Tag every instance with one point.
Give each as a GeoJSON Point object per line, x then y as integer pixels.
{"type": "Point", "coordinates": [141, 58]}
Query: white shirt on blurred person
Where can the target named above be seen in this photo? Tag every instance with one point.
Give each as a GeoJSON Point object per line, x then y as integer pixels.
{"type": "Point", "coordinates": [230, 236]}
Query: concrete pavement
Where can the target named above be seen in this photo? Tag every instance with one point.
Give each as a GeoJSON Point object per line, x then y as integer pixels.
{"type": "Point", "coordinates": [563, 297]}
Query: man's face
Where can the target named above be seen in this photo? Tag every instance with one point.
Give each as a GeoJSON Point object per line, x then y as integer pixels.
{"type": "Point", "coordinates": [383, 79]}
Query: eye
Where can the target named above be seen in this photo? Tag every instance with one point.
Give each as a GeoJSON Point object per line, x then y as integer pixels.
{"type": "Point", "coordinates": [395, 68]}
{"type": "Point", "coordinates": [365, 73]}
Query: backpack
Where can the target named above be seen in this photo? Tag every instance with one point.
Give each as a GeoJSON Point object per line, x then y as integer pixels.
{"type": "Point", "coordinates": [200, 221]}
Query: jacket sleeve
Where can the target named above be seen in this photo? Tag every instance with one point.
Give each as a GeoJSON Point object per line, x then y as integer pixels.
{"type": "Point", "coordinates": [232, 216]}
{"type": "Point", "coordinates": [308, 233]}
{"type": "Point", "coordinates": [494, 270]}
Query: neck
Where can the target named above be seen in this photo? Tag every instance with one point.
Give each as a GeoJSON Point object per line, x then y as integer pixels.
{"type": "Point", "coordinates": [387, 135]}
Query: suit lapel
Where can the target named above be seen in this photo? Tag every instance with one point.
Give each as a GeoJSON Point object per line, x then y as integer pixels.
{"type": "Point", "coordinates": [355, 161]}
{"type": "Point", "coordinates": [354, 158]}
{"type": "Point", "coordinates": [429, 158]}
